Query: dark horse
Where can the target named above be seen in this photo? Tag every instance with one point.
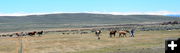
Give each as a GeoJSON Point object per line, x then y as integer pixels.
{"type": "Point", "coordinates": [32, 33]}
{"type": "Point", "coordinates": [18, 34]}
{"type": "Point", "coordinates": [40, 33]}
{"type": "Point", "coordinates": [123, 33]}
{"type": "Point", "coordinates": [98, 32]}
{"type": "Point", "coordinates": [112, 33]}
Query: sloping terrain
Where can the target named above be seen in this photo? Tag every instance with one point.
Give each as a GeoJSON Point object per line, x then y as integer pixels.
{"type": "Point", "coordinates": [78, 18]}
{"type": "Point", "coordinates": [48, 21]}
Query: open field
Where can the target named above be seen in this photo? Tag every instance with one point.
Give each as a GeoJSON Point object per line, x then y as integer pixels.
{"type": "Point", "coordinates": [56, 42]}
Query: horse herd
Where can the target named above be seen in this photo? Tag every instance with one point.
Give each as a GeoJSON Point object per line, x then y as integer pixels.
{"type": "Point", "coordinates": [121, 33]}
{"type": "Point", "coordinates": [112, 33]}
{"type": "Point", "coordinates": [20, 34]}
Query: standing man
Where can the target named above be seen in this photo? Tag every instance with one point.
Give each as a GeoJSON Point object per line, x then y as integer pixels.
{"type": "Point", "coordinates": [132, 32]}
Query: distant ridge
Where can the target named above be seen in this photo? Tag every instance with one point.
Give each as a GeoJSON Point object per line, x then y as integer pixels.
{"type": "Point", "coordinates": [173, 16]}
{"type": "Point", "coordinates": [73, 20]}
{"type": "Point", "coordinates": [84, 18]}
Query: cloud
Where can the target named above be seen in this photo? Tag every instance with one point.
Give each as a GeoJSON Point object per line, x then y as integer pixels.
{"type": "Point", "coordinates": [26, 14]}
{"type": "Point", "coordinates": [95, 12]}
{"type": "Point", "coordinates": [138, 13]}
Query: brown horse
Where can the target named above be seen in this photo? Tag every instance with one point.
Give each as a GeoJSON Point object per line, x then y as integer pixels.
{"type": "Point", "coordinates": [18, 34]}
{"type": "Point", "coordinates": [32, 33]}
{"type": "Point", "coordinates": [123, 33]}
{"type": "Point", "coordinates": [112, 33]}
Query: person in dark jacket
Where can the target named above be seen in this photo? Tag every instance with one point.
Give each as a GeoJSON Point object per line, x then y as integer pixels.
{"type": "Point", "coordinates": [132, 32]}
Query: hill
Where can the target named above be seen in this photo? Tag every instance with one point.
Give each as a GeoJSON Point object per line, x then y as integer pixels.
{"type": "Point", "coordinates": [78, 18]}
{"type": "Point", "coordinates": [16, 23]}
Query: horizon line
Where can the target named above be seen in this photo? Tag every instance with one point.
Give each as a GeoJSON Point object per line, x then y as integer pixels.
{"type": "Point", "coordinates": [96, 12]}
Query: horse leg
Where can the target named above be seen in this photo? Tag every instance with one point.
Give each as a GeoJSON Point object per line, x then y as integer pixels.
{"type": "Point", "coordinates": [39, 35]}
{"type": "Point", "coordinates": [32, 35]}
{"type": "Point", "coordinates": [120, 35]}
{"type": "Point", "coordinates": [110, 35]}
{"type": "Point", "coordinates": [125, 35]}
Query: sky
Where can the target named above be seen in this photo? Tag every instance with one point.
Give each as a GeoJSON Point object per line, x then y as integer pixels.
{"type": "Point", "coordinates": [20, 7]}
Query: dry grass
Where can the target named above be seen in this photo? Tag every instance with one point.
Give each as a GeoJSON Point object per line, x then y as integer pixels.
{"type": "Point", "coordinates": [88, 43]}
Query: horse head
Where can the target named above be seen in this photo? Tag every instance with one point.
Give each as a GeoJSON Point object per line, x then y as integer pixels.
{"type": "Point", "coordinates": [127, 31]}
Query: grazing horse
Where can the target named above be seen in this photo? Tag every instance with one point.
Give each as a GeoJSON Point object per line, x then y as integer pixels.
{"type": "Point", "coordinates": [40, 33]}
{"type": "Point", "coordinates": [8, 35]}
{"type": "Point", "coordinates": [112, 33]}
{"type": "Point", "coordinates": [17, 34]}
{"type": "Point", "coordinates": [123, 33]}
{"type": "Point", "coordinates": [98, 32]}
{"type": "Point", "coordinates": [3, 35]}
{"type": "Point", "coordinates": [11, 35]}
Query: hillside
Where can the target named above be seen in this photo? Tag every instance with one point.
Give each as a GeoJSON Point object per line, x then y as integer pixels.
{"type": "Point", "coordinates": [77, 18]}
{"type": "Point", "coordinates": [13, 23]}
